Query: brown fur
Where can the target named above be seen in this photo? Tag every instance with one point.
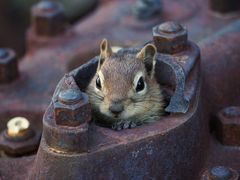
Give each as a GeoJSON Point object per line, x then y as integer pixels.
{"type": "Point", "coordinates": [118, 72]}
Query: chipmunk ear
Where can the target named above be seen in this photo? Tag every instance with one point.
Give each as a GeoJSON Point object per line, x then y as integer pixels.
{"type": "Point", "coordinates": [148, 56]}
{"type": "Point", "coordinates": [105, 52]}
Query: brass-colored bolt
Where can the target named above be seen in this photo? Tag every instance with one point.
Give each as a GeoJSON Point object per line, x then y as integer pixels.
{"type": "Point", "coordinates": [19, 138]}
{"type": "Point", "coordinates": [17, 127]}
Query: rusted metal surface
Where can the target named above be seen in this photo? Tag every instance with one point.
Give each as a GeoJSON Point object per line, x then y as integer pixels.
{"type": "Point", "coordinates": [128, 147]}
{"type": "Point", "coordinates": [220, 61]}
{"type": "Point", "coordinates": [69, 130]}
{"type": "Point", "coordinates": [186, 55]}
{"type": "Point", "coordinates": [180, 146]}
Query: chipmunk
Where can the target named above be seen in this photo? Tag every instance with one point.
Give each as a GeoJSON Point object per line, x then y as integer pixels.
{"type": "Point", "coordinates": [124, 92]}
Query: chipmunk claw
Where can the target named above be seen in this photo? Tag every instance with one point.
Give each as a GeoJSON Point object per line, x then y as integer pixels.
{"type": "Point", "coordinates": [126, 125]}
{"type": "Point", "coordinates": [133, 125]}
{"type": "Point", "coordinates": [119, 125]}
{"type": "Point", "coordinates": [123, 125]}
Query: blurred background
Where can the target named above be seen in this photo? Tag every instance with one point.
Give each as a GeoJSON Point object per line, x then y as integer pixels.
{"type": "Point", "coordinates": [15, 18]}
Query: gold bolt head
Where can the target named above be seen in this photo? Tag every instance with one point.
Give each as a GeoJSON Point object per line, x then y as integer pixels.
{"type": "Point", "coordinates": [17, 127]}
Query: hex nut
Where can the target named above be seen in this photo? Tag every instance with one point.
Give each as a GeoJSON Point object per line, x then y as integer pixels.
{"type": "Point", "coordinates": [48, 18]}
{"type": "Point", "coordinates": [8, 66]}
{"type": "Point", "coordinates": [228, 126]}
{"type": "Point", "coordinates": [170, 37]}
{"type": "Point", "coordinates": [19, 139]}
{"type": "Point", "coordinates": [17, 148]}
{"type": "Point", "coordinates": [73, 109]}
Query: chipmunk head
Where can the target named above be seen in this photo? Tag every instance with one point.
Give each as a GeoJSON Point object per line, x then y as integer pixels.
{"type": "Point", "coordinates": [122, 86]}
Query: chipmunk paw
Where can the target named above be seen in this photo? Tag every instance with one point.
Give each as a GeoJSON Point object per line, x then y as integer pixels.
{"type": "Point", "coordinates": [123, 125]}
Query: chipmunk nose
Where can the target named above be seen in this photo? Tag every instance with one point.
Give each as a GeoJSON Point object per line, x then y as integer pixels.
{"type": "Point", "coordinates": [116, 108]}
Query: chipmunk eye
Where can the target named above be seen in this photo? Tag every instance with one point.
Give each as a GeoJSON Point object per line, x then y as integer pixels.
{"type": "Point", "coordinates": [140, 85]}
{"type": "Point", "coordinates": [98, 83]}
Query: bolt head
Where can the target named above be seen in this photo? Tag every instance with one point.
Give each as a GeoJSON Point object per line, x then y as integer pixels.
{"type": "Point", "coordinates": [72, 110]}
{"type": "Point", "coordinates": [170, 37]}
{"type": "Point", "coordinates": [8, 66]}
{"type": "Point", "coordinates": [169, 28]}
{"type": "Point", "coordinates": [228, 126]}
{"type": "Point", "coordinates": [48, 18]}
{"type": "Point", "coordinates": [70, 96]}
{"type": "Point", "coordinates": [18, 127]}
{"type": "Point", "coordinates": [220, 173]}
{"type": "Point", "coordinates": [19, 138]}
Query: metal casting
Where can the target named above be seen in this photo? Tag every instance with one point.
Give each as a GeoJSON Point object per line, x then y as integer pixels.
{"type": "Point", "coordinates": [197, 67]}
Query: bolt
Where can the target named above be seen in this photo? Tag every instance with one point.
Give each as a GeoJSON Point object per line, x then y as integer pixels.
{"type": "Point", "coordinates": [8, 65]}
{"type": "Point", "coordinates": [19, 138]}
{"type": "Point", "coordinates": [225, 6]}
{"type": "Point", "coordinates": [18, 127]}
{"type": "Point", "coordinates": [220, 173]}
{"type": "Point", "coordinates": [72, 108]}
{"type": "Point", "coordinates": [170, 37]}
{"type": "Point", "coordinates": [70, 96]}
{"type": "Point", "coordinates": [67, 131]}
{"type": "Point", "coordinates": [48, 18]}
{"type": "Point", "coordinates": [228, 126]}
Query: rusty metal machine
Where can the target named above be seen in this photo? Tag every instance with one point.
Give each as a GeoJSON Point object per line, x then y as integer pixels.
{"type": "Point", "coordinates": [51, 135]}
